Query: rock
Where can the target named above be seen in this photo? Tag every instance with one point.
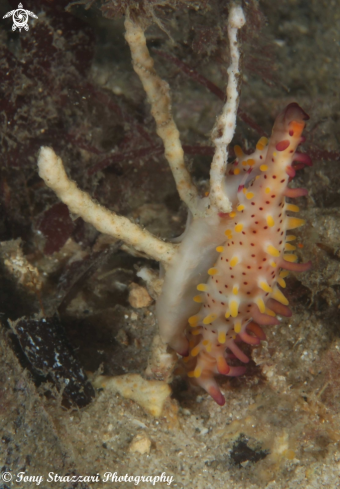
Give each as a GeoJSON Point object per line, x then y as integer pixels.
{"type": "Point", "coordinates": [139, 296]}
{"type": "Point", "coordinates": [149, 394]}
{"type": "Point", "coordinates": [140, 444]}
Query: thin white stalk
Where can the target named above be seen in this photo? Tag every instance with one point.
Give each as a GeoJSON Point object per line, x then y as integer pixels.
{"type": "Point", "coordinates": [226, 123]}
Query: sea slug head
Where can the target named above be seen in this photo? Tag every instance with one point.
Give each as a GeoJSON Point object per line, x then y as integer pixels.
{"type": "Point", "coordinates": [285, 138]}
{"type": "Point", "coordinates": [291, 119]}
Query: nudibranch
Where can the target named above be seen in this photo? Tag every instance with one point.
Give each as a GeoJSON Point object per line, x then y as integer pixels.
{"type": "Point", "coordinates": [226, 280]}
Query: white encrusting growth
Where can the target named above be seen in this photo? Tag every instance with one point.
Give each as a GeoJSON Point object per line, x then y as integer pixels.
{"type": "Point", "coordinates": [226, 123]}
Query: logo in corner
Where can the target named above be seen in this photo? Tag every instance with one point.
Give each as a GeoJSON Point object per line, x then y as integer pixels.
{"type": "Point", "coordinates": [20, 18]}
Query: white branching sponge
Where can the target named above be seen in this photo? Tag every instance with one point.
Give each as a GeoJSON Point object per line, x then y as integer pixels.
{"type": "Point", "coordinates": [222, 280]}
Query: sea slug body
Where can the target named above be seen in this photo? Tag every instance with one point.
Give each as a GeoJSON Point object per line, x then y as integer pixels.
{"type": "Point", "coordinates": [226, 281]}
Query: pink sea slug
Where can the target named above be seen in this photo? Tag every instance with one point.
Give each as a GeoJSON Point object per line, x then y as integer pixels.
{"type": "Point", "coordinates": [224, 283]}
